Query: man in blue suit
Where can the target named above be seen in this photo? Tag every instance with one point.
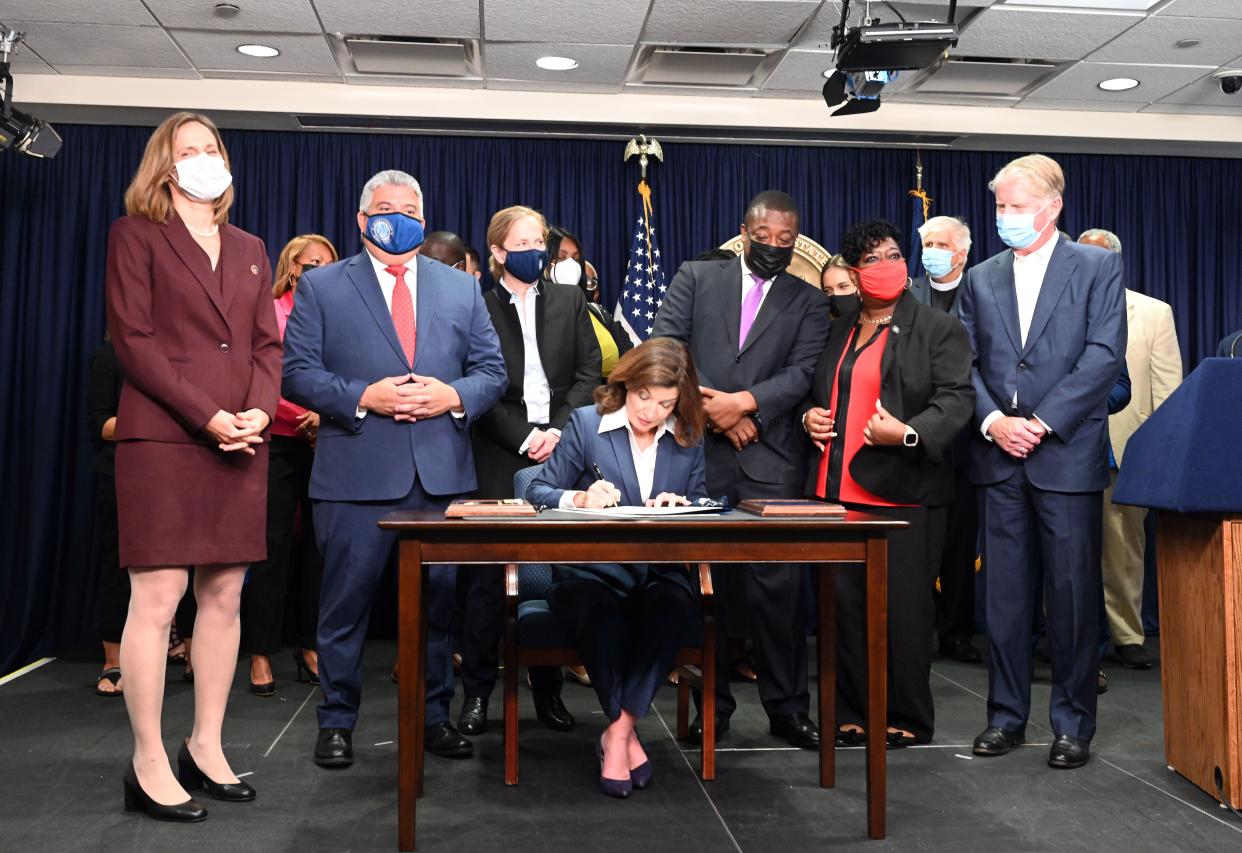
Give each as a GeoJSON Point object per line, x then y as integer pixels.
{"type": "Point", "coordinates": [398, 355]}
{"type": "Point", "coordinates": [1047, 322]}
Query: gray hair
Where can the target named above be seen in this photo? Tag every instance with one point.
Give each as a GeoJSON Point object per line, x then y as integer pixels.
{"type": "Point", "coordinates": [1113, 241]}
{"type": "Point", "coordinates": [959, 229]}
{"type": "Point", "coordinates": [388, 177]}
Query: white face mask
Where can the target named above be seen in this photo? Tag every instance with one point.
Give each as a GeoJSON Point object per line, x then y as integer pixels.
{"type": "Point", "coordinates": [203, 177]}
{"type": "Point", "coordinates": [567, 271]}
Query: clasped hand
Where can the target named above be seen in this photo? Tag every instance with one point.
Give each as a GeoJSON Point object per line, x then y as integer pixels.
{"type": "Point", "coordinates": [410, 397]}
{"type": "Point", "coordinates": [1017, 436]}
{"type": "Point", "coordinates": [542, 443]}
{"type": "Point", "coordinates": [238, 431]}
{"type": "Point", "coordinates": [728, 413]}
{"type": "Point", "coordinates": [819, 424]}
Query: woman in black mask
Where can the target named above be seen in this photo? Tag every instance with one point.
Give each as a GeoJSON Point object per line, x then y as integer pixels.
{"type": "Point", "coordinates": [840, 284]}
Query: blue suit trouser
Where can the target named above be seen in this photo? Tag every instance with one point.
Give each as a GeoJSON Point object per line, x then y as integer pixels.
{"type": "Point", "coordinates": [1015, 514]}
{"type": "Point", "coordinates": [355, 553]}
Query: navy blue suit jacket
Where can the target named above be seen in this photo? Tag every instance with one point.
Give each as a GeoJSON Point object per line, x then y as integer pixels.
{"type": "Point", "coordinates": [340, 338]}
{"type": "Point", "coordinates": [680, 470]}
{"type": "Point", "coordinates": [1074, 352]}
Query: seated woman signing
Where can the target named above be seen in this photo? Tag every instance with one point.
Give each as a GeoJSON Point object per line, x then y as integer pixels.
{"type": "Point", "coordinates": [641, 443]}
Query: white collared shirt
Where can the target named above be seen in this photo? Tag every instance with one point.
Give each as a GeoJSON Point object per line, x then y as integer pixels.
{"type": "Point", "coordinates": [1028, 279]}
{"type": "Point", "coordinates": [944, 286]}
{"type": "Point", "coordinates": [748, 283]}
{"type": "Point", "coordinates": [644, 460]}
{"type": "Point", "coordinates": [388, 281]}
{"type": "Point", "coordinates": [536, 392]}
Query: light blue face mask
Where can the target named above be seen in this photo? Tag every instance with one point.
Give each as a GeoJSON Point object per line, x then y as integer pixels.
{"type": "Point", "coordinates": [938, 262]}
{"type": "Point", "coordinates": [1017, 230]}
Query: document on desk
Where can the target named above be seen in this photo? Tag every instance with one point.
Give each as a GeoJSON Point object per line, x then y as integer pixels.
{"type": "Point", "coordinates": [638, 511]}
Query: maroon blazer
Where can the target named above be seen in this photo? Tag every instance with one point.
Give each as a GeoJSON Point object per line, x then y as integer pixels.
{"type": "Point", "coordinates": [192, 340]}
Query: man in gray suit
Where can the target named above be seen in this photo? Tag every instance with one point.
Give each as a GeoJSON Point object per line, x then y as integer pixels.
{"type": "Point", "coordinates": [946, 243]}
{"type": "Point", "coordinates": [755, 333]}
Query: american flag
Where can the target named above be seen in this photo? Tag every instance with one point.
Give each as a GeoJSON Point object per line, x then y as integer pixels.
{"type": "Point", "coordinates": [644, 277]}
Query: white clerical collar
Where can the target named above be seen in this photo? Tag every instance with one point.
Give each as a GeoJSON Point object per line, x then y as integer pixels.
{"type": "Point", "coordinates": [943, 286]}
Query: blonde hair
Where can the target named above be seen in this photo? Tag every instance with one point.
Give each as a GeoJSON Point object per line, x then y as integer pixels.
{"type": "Point", "coordinates": [838, 262]}
{"type": "Point", "coordinates": [283, 282]}
{"type": "Point", "coordinates": [498, 230]}
{"type": "Point", "coordinates": [1040, 175]}
{"type": "Point", "coordinates": [149, 193]}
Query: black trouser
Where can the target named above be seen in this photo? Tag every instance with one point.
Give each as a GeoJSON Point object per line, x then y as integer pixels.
{"type": "Point", "coordinates": [775, 603]}
{"type": "Point", "coordinates": [112, 591]}
{"type": "Point", "coordinates": [267, 585]}
{"type": "Point", "coordinates": [482, 624]}
{"type": "Point", "coordinates": [628, 642]}
{"type": "Point", "coordinates": [955, 602]}
{"type": "Point", "coordinates": [913, 558]}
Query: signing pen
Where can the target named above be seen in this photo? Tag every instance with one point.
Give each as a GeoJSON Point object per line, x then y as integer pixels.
{"type": "Point", "coordinates": [599, 475]}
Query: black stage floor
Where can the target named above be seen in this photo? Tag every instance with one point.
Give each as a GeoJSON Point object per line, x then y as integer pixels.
{"type": "Point", "coordinates": [64, 751]}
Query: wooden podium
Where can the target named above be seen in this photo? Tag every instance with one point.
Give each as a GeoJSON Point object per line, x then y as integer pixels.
{"type": "Point", "coordinates": [1199, 559]}
{"type": "Point", "coordinates": [1184, 463]}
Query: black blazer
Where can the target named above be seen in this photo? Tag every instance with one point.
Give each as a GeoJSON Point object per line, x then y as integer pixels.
{"type": "Point", "coordinates": [103, 399]}
{"type": "Point", "coordinates": [569, 352]}
{"type": "Point", "coordinates": [702, 308]}
{"type": "Point", "coordinates": [924, 382]}
{"type": "Point", "coordinates": [615, 329]}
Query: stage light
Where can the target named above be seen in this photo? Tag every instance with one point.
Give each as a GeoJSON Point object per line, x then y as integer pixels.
{"type": "Point", "coordinates": [18, 130]}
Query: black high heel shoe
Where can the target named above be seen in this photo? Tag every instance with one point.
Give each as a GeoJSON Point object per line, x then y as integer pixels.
{"type": "Point", "coordinates": [191, 778]}
{"type": "Point", "coordinates": [304, 671]}
{"type": "Point", "coordinates": [137, 800]}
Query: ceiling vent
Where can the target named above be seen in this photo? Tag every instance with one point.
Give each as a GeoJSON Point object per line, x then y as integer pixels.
{"type": "Point", "coordinates": [411, 57]}
{"type": "Point", "coordinates": [983, 76]}
{"type": "Point", "coordinates": [700, 66]}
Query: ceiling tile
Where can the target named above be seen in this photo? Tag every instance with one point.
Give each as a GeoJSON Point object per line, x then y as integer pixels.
{"type": "Point", "coordinates": [1081, 106]}
{"type": "Point", "coordinates": [597, 63]}
{"type": "Point", "coordinates": [801, 70]}
{"type": "Point", "coordinates": [417, 82]}
{"type": "Point", "coordinates": [126, 71]}
{"type": "Point", "coordinates": [789, 94]}
{"type": "Point", "coordinates": [820, 30]}
{"type": "Point", "coordinates": [101, 44]}
{"type": "Point", "coordinates": [25, 62]}
{"type": "Point", "coordinates": [261, 16]}
{"type": "Point", "coordinates": [998, 101]}
{"type": "Point", "coordinates": [537, 86]}
{"type": "Point", "coordinates": [1205, 91]}
{"type": "Point", "coordinates": [1153, 41]}
{"type": "Point", "coordinates": [567, 21]}
{"type": "Point", "coordinates": [426, 18]}
{"type": "Point", "coordinates": [746, 22]}
{"type": "Point", "coordinates": [1193, 109]}
{"type": "Point", "coordinates": [125, 12]}
{"type": "Point", "coordinates": [1038, 34]}
{"type": "Point", "coordinates": [1080, 82]}
{"type": "Point", "coordinates": [286, 76]}
{"type": "Point", "coordinates": [218, 51]}
{"type": "Point", "coordinates": [1203, 9]}
{"type": "Point", "coordinates": [709, 91]}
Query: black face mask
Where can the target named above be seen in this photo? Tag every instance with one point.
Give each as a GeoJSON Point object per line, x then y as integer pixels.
{"type": "Point", "coordinates": [844, 304]}
{"type": "Point", "coordinates": [766, 261]}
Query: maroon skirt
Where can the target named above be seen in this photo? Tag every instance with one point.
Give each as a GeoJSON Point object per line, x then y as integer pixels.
{"type": "Point", "coordinates": [190, 504]}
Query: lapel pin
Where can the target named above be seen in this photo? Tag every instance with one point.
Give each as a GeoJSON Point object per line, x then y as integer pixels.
{"type": "Point", "coordinates": [254, 269]}
{"type": "Point", "coordinates": [896, 330]}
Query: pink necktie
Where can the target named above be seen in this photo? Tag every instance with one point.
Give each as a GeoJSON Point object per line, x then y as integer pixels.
{"type": "Point", "coordinates": [750, 308]}
{"type": "Point", "coordinates": [403, 312]}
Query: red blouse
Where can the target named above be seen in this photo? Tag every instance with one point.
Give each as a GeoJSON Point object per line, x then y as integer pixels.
{"type": "Point", "coordinates": [286, 421]}
{"type": "Point", "coordinates": [855, 390]}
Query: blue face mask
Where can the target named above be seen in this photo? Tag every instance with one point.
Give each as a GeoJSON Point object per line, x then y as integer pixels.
{"type": "Point", "coordinates": [938, 262]}
{"type": "Point", "coordinates": [1017, 230]}
{"type": "Point", "coordinates": [526, 265]}
{"type": "Point", "coordinates": [394, 233]}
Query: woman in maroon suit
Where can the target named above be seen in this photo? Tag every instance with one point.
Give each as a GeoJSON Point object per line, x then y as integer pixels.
{"type": "Point", "coordinates": [190, 315]}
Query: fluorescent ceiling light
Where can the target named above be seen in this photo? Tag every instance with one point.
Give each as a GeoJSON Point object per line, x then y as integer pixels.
{"type": "Point", "coordinates": [1089, 5]}
{"type": "Point", "coordinates": [1118, 84]}
{"type": "Point", "coordinates": [556, 63]}
{"type": "Point", "coordinates": [260, 50]}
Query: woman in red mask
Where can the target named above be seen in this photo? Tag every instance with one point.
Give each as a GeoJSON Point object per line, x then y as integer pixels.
{"type": "Point", "coordinates": [891, 393]}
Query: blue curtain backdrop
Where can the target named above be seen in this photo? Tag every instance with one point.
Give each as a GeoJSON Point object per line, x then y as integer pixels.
{"type": "Point", "coordinates": [1176, 218]}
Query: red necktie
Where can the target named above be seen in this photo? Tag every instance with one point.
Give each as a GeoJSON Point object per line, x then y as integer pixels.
{"type": "Point", "coordinates": [403, 312]}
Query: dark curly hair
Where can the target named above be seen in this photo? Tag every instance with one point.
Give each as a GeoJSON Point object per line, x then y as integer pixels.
{"type": "Point", "coordinates": [865, 236]}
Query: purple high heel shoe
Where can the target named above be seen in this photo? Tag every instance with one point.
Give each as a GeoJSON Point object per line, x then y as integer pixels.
{"type": "Point", "coordinates": [642, 775]}
{"type": "Point", "coordinates": [619, 788]}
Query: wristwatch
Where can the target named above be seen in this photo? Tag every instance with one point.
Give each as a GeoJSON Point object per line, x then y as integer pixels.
{"type": "Point", "coordinates": [911, 438]}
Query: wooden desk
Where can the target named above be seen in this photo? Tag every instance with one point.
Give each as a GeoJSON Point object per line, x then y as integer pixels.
{"type": "Point", "coordinates": [735, 537]}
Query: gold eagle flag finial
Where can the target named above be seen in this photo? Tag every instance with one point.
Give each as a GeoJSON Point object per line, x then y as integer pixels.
{"type": "Point", "coordinates": [643, 148]}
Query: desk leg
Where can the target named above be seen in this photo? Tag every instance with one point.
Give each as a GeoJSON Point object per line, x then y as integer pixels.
{"type": "Point", "coordinates": [826, 645]}
{"type": "Point", "coordinates": [877, 682]}
{"type": "Point", "coordinates": [411, 652]}
{"type": "Point", "coordinates": [420, 740]}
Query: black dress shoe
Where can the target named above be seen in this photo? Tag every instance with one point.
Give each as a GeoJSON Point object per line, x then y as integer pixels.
{"type": "Point", "coordinates": [1133, 657]}
{"type": "Point", "coordinates": [1068, 753]}
{"type": "Point", "coordinates": [552, 712]}
{"type": "Point", "coordinates": [191, 778]}
{"type": "Point", "coordinates": [334, 748]}
{"type": "Point", "coordinates": [136, 800]}
{"type": "Point", "coordinates": [473, 717]}
{"type": "Point", "coordinates": [797, 729]}
{"type": "Point", "coordinates": [445, 741]}
{"type": "Point", "coordinates": [849, 737]}
{"type": "Point", "coordinates": [695, 733]}
{"type": "Point", "coordinates": [960, 650]}
{"type": "Point", "coordinates": [997, 741]}
{"type": "Point", "coordinates": [1101, 683]}
{"type": "Point", "coordinates": [267, 688]}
